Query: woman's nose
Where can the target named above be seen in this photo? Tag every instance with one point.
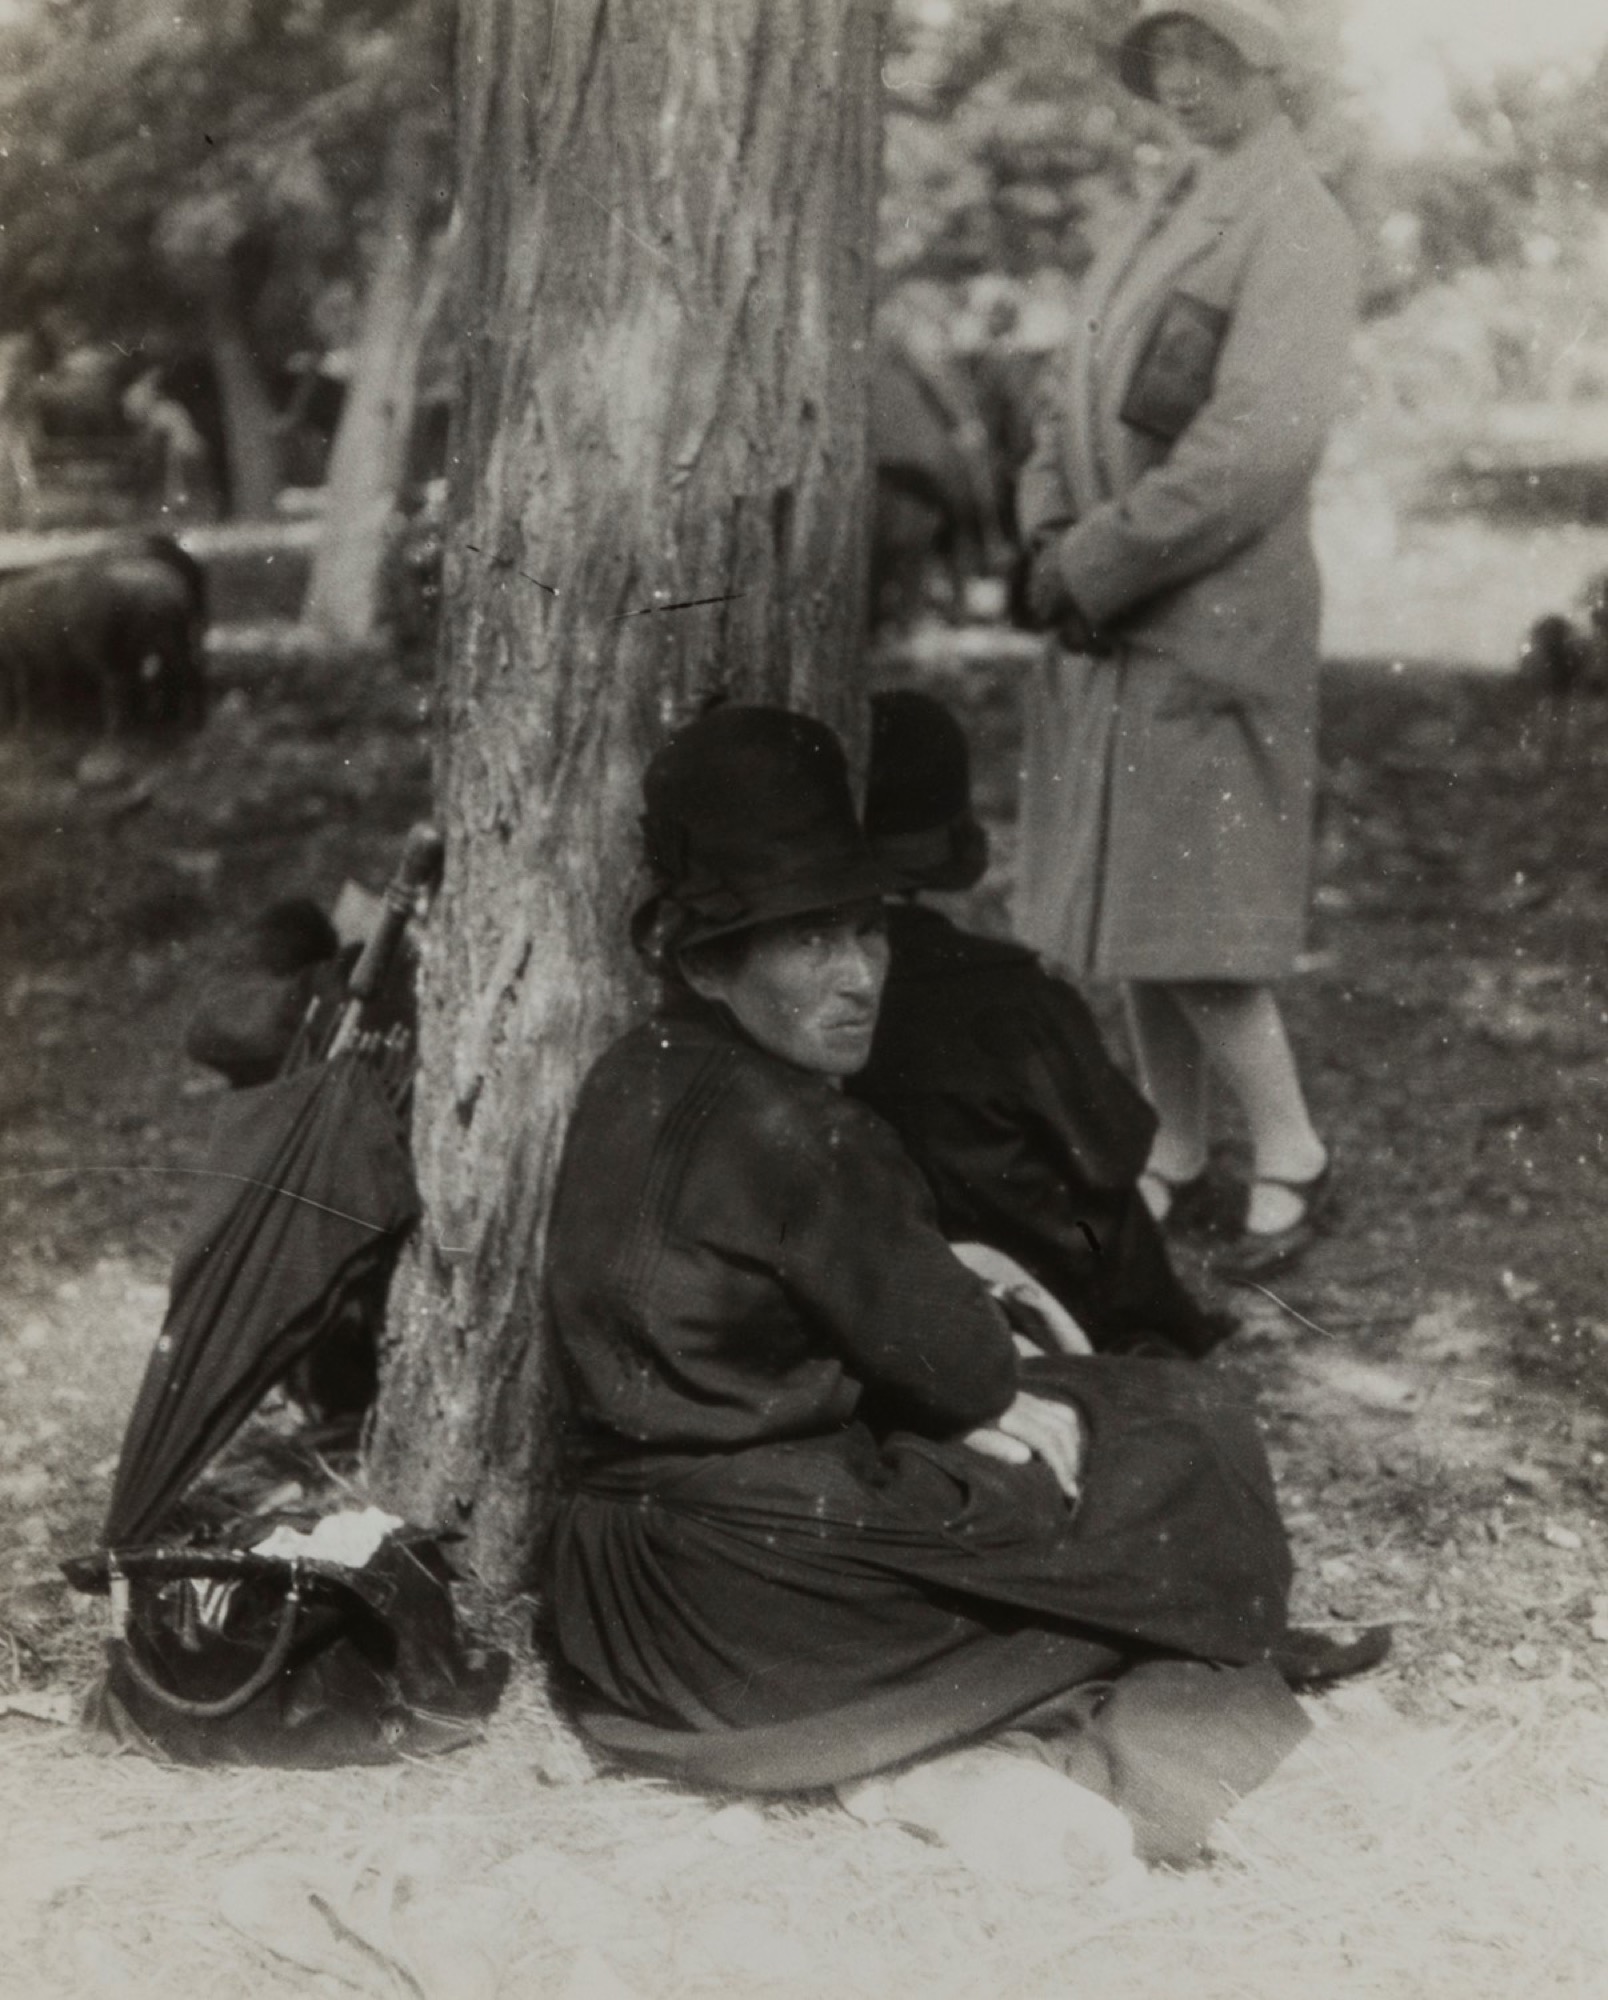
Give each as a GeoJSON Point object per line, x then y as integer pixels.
{"type": "Point", "coordinates": [862, 965]}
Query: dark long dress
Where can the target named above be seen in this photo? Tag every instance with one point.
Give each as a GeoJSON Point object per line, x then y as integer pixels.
{"type": "Point", "coordinates": [994, 1075]}
{"type": "Point", "coordinates": [777, 1565]}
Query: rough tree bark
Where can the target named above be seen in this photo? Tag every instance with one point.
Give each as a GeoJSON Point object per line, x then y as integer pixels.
{"type": "Point", "coordinates": [657, 492]}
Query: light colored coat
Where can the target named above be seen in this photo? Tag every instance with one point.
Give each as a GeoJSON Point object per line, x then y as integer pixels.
{"type": "Point", "coordinates": [1167, 805]}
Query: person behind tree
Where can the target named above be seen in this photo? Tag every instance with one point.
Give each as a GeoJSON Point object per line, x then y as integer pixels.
{"type": "Point", "coordinates": [818, 1513]}
{"type": "Point", "coordinates": [994, 1074]}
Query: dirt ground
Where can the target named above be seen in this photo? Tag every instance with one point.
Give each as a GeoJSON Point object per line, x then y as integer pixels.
{"type": "Point", "coordinates": [1434, 1384]}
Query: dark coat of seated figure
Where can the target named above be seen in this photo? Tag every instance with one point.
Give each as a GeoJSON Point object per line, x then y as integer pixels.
{"type": "Point", "coordinates": [820, 1513]}
{"type": "Point", "coordinates": [995, 1076]}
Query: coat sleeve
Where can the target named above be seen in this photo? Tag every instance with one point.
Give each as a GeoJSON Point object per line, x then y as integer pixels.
{"type": "Point", "coordinates": [841, 1215]}
{"type": "Point", "coordinates": [1247, 458]}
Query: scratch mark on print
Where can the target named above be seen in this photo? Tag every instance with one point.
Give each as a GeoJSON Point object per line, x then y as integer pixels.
{"type": "Point", "coordinates": [681, 604]}
{"type": "Point", "coordinates": [507, 562]}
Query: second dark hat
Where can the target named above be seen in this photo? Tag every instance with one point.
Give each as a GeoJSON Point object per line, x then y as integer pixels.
{"type": "Point", "coordinates": [918, 809]}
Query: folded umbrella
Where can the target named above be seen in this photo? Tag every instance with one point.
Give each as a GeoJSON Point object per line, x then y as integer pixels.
{"type": "Point", "coordinates": [307, 1191]}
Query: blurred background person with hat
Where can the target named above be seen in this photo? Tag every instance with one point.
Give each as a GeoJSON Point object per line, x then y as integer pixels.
{"type": "Point", "coordinates": [1171, 740]}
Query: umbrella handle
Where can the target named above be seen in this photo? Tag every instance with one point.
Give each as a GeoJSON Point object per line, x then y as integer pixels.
{"type": "Point", "coordinates": [121, 1654]}
{"type": "Point", "coordinates": [419, 868]}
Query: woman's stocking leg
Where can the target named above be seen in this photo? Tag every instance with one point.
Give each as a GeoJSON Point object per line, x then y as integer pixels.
{"type": "Point", "coordinates": [1173, 1075]}
{"type": "Point", "coordinates": [1242, 1032]}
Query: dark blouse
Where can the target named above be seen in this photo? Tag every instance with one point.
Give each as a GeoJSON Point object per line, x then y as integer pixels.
{"type": "Point", "coordinates": [740, 1253]}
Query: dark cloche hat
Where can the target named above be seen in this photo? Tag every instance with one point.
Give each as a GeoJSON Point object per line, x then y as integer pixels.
{"type": "Point", "coordinates": [748, 817]}
{"type": "Point", "coordinates": [918, 810]}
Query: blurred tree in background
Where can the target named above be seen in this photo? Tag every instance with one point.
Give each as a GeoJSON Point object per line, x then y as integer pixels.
{"type": "Point", "coordinates": [1519, 180]}
{"type": "Point", "coordinates": [193, 183]}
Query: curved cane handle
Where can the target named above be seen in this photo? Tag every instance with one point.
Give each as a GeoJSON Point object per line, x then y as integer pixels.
{"type": "Point", "coordinates": [122, 1654]}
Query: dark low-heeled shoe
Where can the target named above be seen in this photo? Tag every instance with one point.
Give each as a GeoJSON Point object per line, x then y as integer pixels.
{"type": "Point", "coordinates": [1309, 1659]}
{"type": "Point", "coordinates": [1194, 1207]}
{"type": "Point", "coordinates": [1258, 1253]}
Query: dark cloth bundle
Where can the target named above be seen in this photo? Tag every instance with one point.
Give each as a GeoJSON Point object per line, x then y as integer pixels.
{"type": "Point", "coordinates": [996, 1078]}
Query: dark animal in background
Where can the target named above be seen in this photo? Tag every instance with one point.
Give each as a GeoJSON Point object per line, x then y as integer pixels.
{"type": "Point", "coordinates": [164, 549]}
{"type": "Point", "coordinates": [114, 639]}
{"type": "Point", "coordinates": [1596, 603]}
{"type": "Point", "coordinates": [1557, 665]}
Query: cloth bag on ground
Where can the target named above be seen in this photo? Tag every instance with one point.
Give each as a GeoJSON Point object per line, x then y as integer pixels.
{"type": "Point", "coordinates": [279, 1654]}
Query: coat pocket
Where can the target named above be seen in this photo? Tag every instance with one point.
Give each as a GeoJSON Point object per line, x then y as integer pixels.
{"type": "Point", "coordinates": [1176, 369]}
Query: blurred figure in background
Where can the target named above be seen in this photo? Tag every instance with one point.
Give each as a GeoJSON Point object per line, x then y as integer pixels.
{"type": "Point", "coordinates": [181, 464]}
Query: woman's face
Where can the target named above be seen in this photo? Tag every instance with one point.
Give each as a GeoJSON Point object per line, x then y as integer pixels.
{"type": "Point", "coordinates": [1204, 84]}
{"type": "Point", "coordinates": [807, 988]}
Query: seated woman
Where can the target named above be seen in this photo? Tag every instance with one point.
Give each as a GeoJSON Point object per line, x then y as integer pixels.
{"type": "Point", "coordinates": [820, 1515]}
{"type": "Point", "coordinates": [994, 1074]}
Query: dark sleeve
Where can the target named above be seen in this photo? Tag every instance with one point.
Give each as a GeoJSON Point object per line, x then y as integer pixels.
{"type": "Point", "coordinates": [998, 1180]}
{"type": "Point", "coordinates": [834, 1206]}
{"type": "Point", "coordinates": [1049, 1073]}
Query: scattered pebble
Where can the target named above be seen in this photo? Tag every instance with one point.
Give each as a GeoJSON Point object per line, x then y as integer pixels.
{"type": "Point", "coordinates": [1560, 1537]}
{"type": "Point", "coordinates": [1526, 1657]}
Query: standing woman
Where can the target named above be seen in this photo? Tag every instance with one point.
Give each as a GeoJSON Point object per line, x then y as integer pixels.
{"type": "Point", "coordinates": [1171, 740]}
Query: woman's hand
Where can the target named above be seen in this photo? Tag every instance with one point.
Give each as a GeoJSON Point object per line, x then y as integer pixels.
{"type": "Point", "coordinates": [1051, 607]}
{"type": "Point", "coordinates": [1035, 1427]}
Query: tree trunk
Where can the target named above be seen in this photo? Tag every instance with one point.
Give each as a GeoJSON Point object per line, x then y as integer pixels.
{"type": "Point", "coordinates": [251, 440]}
{"type": "Point", "coordinates": [370, 452]}
{"type": "Point", "coordinates": [657, 493]}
